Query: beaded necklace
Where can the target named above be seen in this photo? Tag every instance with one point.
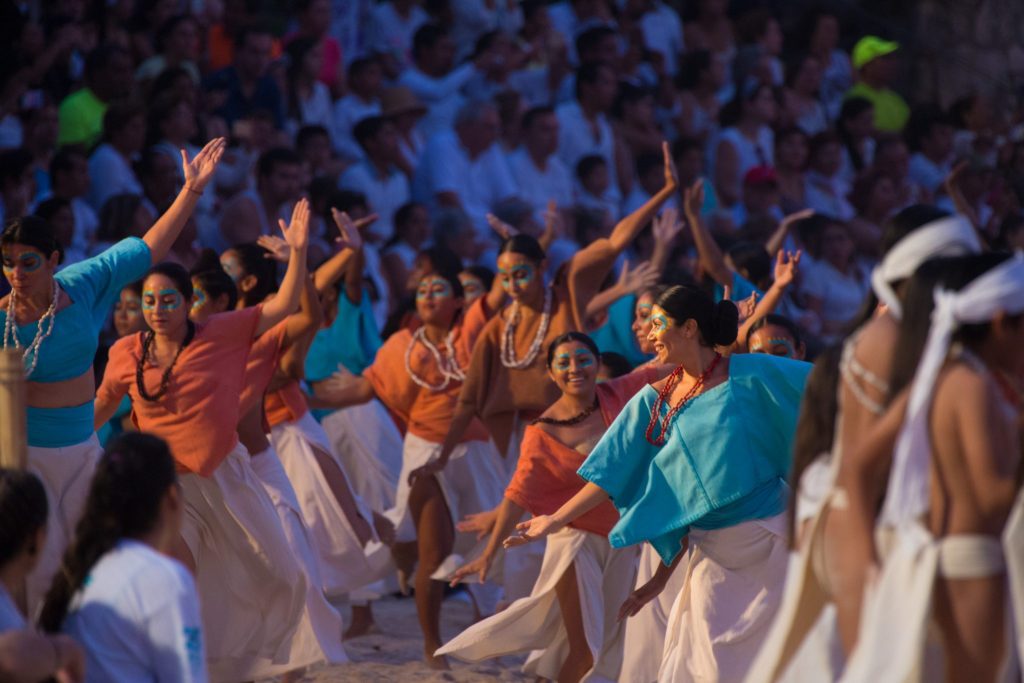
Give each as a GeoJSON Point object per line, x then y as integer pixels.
{"type": "Point", "coordinates": [663, 396]}
{"type": "Point", "coordinates": [165, 379]}
{"type": "Point", "coordinates": [47, 320]}
{"type": "Point", "coordinates": [508, 339]}
{"type": "Point", "coordinates": [569, 421]}
{"type": "Point", "coordinates": [448, 366]}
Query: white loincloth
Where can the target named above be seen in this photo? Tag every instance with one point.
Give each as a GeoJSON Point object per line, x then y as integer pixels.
{"type": "Point", "coordinates": [604, 578]}
{"type": "Point", "coordinates": [66, 474]}
{"type": "Point", "coordinates": [345, 565]}
{"type": "Point", "coordinates": [251, 590]}
{"type": "Point", "coordinates": [733, 586]}
{"type": "Point", "coordinates": [521, 564]}
{"type": "Point", "coordinates": [369, 445]}
{"type": "Point", "coordinates": [645, 631]}
{"type": "Point", "coordinates": [318, 638]}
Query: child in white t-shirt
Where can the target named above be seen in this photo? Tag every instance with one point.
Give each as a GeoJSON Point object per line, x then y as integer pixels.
{"type": "Point", "coordinates": [120, 593]}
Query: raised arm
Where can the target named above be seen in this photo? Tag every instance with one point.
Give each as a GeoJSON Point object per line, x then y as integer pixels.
{"type": "Point", "coordinates": [712, 260]}
{"type": "Point", "coordinates": [631, 281]}
{"type": "Point", "coordinates": [786, 266]}
{"type": "Point", "coordinates": [351, 243]}
{"type": "Point", "coordinates": [629, 227]}
{"type": "Point", "coordinates": [198, 173]}
{"type": "Point", "coordinates": [588, 498]}
{"type": "Point", "coordinates": [308, 318]}
{"type": "Point", "coordinates": [287, 299]}
{"type": "Point", "coordinates": [778, 238]}
{"type": "Point", "coordinates": [665, 228]}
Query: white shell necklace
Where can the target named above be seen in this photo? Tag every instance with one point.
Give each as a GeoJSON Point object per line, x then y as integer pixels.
{"type": "Point", "coordinates": [508, 339]}
{"type": "Point", "coordinates": [46, 321]}
{"type": "Point", "coordinates": [446, 363]}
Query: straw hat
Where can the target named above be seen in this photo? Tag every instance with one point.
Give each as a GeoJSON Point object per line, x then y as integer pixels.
{"type": "Point", "coordinates": [400, 100]}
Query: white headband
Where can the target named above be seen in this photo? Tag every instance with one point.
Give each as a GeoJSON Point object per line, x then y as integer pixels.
{"type": "Point", "coordinates": [949, 236]}
{"type": "Point", "coordinates": [999, 290]}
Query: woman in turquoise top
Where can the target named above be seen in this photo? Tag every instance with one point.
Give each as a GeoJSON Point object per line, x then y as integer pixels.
{"type": "Point", "coordinates": [700, 459]}
{"type": "Point", "coordinates": [56, 319]}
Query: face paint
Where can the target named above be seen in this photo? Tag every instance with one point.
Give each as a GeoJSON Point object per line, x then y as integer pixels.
{"type": "Point", "coordinates": [164, 300]}
{"type": "Point", "coordinates": [521, 274]}
{"type": "Point", "coordinates": [28, 261]}
{"type": "Point", "coordinates": [643, 311]}
{"type": "Point", "coordinates": [584, 359]}
{"type": "Point", "coordinates": [472, 288]}
{"type": "Point", "coordinates": [132, 306]}
{"type": "Point", "coordinates": [660, 322]}
{"type": "Point", "coordinates": [787, 350]}
{"type": "Point", "coordinates": [433, 288]}
{"type": "Point", "coordinates": [199, 298]}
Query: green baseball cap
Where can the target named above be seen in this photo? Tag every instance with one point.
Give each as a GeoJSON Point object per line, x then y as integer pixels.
{"type": "Point", "coordinates": [870, 48]}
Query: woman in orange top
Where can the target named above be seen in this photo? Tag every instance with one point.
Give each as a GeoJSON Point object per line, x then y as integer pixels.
{"type": "Point", "coordinates": [589, 579]}
{"type": "Point", "coordinates": [418, 375]}
{"type": "Point", "coordinates": [185, 381]}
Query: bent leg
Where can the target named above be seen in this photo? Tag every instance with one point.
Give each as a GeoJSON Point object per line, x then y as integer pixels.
{"type": "Point", "coordinates": [435, 537]}
{"type": "Point", "coordinates": [580, 660]}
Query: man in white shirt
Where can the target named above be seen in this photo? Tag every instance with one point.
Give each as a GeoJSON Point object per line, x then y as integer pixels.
{"type": "Point", "coordinates": [540, 175]}
{"type": "Point", "coordinates": [377, 177]}
{"type": "Point", "coordinates": [663, 33]}
{"type": "Point", "coordinates": [69, 179]}
{"type": "Point", "coordinates": [110, 166]}
{"type": "Point", "coordinates": [464, 168]}
{"type": "Point", "coordinates": [392, 26]}
{"type": "Point", "coordinates": [365, 81]}
{"type": "Point", "coordinates": [930, 136]}
{"type": "Point", "coordinates": [584, 128]}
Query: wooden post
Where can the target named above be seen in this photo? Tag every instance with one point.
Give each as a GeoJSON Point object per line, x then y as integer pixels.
{"type": "Point", "coordinates": [13, 426]}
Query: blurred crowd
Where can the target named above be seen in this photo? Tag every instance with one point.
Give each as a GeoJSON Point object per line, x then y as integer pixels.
{"type": "Point", "coordinates": [546, 116]}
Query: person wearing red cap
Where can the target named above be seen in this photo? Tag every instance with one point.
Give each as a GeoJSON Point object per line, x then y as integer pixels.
{"type": "Point", "coordinates": [876, 66]}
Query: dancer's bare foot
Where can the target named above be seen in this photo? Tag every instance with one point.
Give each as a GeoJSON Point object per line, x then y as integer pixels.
{"type": "Point", "coordinates": [293, 676]}
{"type": "Point", "coordinates": [436, 663]}
{"type": "Point", "coordinates": [362, 623]}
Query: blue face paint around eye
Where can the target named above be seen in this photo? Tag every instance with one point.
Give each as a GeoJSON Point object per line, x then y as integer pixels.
{"type": "Point", "coordinates": [164, 300]}
{"type": "Point", "coordinates": [29, 262]}
{"type": "Point", "coordinates": [436, 288]}
{"type": "Point", "coordinates": [521, 274]}
{"type": "Point", "coordinates": [200, 298]}
{"type": "Point", "coordinates": [660, 321]}
{"type": "Point", "coordinates": [769, 347]}
{"type": "Point", "coordinates": [643, 311]}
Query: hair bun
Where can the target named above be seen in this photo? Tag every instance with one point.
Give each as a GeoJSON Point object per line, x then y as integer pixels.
{"type": "Point", "coordinates": [725, 323]}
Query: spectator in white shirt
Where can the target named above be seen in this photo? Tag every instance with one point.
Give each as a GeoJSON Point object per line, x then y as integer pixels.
{"type": "Point", "coordinates": [584, 128]}
{"type": "Point", "coordinates": [392, 26]}
{"type": "Point", "coordinates": [663, 33]}
{"type": "Point", "coordinates": [836, 285]}
{"type": "Point", "coordinates": [572, 17]}
{"type": "Point", "coordinates": [309, 100]}
{"type": "Point", "coordinates": [401, 106]}
{"type": "Point", "coordinates": [255, 212]}
{"type": "Point", "coordinates": [929, 134]}
{"type": "Point", "coordinates": [593, 185]}
{"type": "Point", "coordinates": [69, 179]}
{"type": "Point", "coordinates": [465, 169]}
{"type": "Point", "coordinates": [120, 593]}
{"type": "Point", "coordinates": [540, 175]}
{"type": "Point", "coordinates": [365, 80]}
{"type": "Point", "coordinates": [26, 655]}
{"type": "Point", "coordinates": [827, 191]}
{"type": "Point", "coordinates": [747, 142]}
{"type": "Point", "coordinates": [378, 177]}
{"type": "Point", "coordinates": [110, 166]}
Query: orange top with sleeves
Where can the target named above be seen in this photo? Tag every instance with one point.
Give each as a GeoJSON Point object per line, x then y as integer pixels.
{"type": "Point", "coordinates": [286, 404]}
{"type": "Point", "coordinates": [497, 393]}
{"type": "Point", "coordinates": [198, 414]}
{"type": "Point", "coordinates": [545, 477]}
{"type": "Point", "coordinates": [427, 414]}
{"type": "Point", "coordinates": [264, 356]}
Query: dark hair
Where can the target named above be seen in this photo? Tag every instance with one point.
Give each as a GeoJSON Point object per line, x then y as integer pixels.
{"type": "Point", "coordinates": [863, 187]}
{"type": "Point", "coordinates": [402, 217]}
{"type": "Point", "coordinates": [852, 108]}
{"type": "Point", "coordinates": [308, 133]}
{"type": "Point", "coordinates": [523, 244]}
{"type": "Point", "coordinates": [778, 321]}
{"type": "Point", "coordinates": [733, 111]}
{"type": "Point", "coordinates": [534, 113]}
{"type": "Point", "coordinates": [588, 75]}
{"type": "Point", "coordinates": [449, 271]}
{"type": "Point", "coordinates": [442, 260]}
{"type": "Point", "coordinates": [482, 273]}
{"type": "Point", "coordinates": [345, 200]}
{"type": "Point", "coordinates": [48, 208]}
{"type": "Point", "coordinates": [815, 426]}
{"type": "Point", "coordinates": [629, 94]}
{"type": "Point", "coordinates": [254, 261]}
{"type": "Point", "coordinates": [368, 128]}
{"type": "Point", "coordinates": [269, 160]}
{"type": "Point", "coordinates": [33, 231]}
{"type": "Point", "coordinates": [1013, 223]}
{"type": "Point", "coordinates": [617, 364]}
{"type": "Point", "coordinates": [718, 323]}
{"type": "Point", "coordinates": [168, 27]}
{"type": "Point", "coordinates": [101, 57]}
{"type": "Point", "coordinates": [127, 490]}
{"type": "Point", "coordinates": [691, 66]}
{"type": "Point", "coordinates": [686, 145]}
{"type": "Point", "coordinates": [959, 110]}
{"type": "Point", "coordinates": [176, 273]}
{"type": "Point", "coordinates": [572, 337]}
{"type": "Point", "coordinates": [361, 64]}
{"type": "Point", "coordinates": [216, 283]}
{"type": "Point", "coordinates": [426, 37]}
{"type": "Point", "coordinates": [589, 164]}
{"type": "Point", "coordinates": [753, 24]}
{"type": "Point", "coordinates": [116, 217]}
{"type": "Point", "coordinates": [119, 115]}
{"type": "Point", "coordinates": [952, 273]}
{"type": "Point", "coordinates": [752, 258]}
{"type": "Point", "coordinates": [923, 120]}
{"type": "Point", "coordinates": [259, 28]}
{"type": "Point", "coordinates": [13, 164]}
{"type": "Point", "coordinates": [62, 161]}
{"type": "Point", "coordinates": [23, 511]}
{"type": "Point", "coordinates": [820, 141]}
{"type": "Point", "coordinates": [297, 50]}
{"type": "Point", "coordinates": [591, 38]}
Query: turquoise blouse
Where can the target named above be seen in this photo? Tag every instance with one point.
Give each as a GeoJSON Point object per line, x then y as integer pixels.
{"type": "Point", "coordinates": [93, 286]}
{"type": "Point", "coordinates": [725, 459]}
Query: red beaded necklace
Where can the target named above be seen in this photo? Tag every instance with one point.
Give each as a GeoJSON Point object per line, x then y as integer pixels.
{"type": "Point", "coordinates": [663, 395]}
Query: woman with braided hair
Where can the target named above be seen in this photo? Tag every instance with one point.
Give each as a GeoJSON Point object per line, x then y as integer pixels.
{"type": "Point", "coordinates": [133, 607]}
{"type": "Point", "coordinates": [185, 381]}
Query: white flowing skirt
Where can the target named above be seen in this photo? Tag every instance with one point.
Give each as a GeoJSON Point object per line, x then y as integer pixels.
{"type": "Point", "coordinates": [318, 637]}
{"type": "Point", "coordinates": [521, 564]}
{"type": "Point", "coordinates": [66, 474]}
{"type": "Point", "coordinates": [733, 586]}
{"type": "Point", "coordinates": [368, 444]}
{"type": "Point", "coordinates": [604, 578]}
{"type": "Point", "coordinates": [345, 565]}
{"type": "Point", "coordinates": [645, 631]}
{"type": "Point", "coordinates": [252, 592]}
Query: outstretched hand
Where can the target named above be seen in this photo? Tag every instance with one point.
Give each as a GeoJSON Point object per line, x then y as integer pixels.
{"type": "Point", "coordinates": [480, 566]}
{"type": "Point", "coordinates": [350, 237]}
{"type": "Point", "coordinates": [693, 199]}
{"type": "Point", "coordinates": [201, 168]}
{"type": "Point", "coordinates": [666, 225]}
{"type": "Point", "coordinates": [480, 523]}
{"type": "Point", "coordinates": [499, 226]}
{"type": "Point", "coordinates": [671, 174]}
{"type": "Point", "coordinates": [533, 530]}
{"type": "Point", "coordinates": [640, 597]}
{"type": "Point", "coordinates": [277, 249]}
{"type": "Point", "coordinates": [296, 232]}
{"type": "Point", "coordinates": [786, 267]}
{"type": "Point", "coordinates": [638, 279]}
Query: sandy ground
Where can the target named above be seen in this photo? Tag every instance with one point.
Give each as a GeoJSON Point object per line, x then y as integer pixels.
{"type": "Point", "coordinates": [396, 653]}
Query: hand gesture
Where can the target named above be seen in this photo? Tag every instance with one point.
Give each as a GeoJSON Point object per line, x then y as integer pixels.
{"type": "Point", "coordinates": [693, 199]}
{"type": "Point", "coordinates": [199, 171]}
{"type": "Point", "coordinates": [350, 237]}
{"type": "Point", "coordinates": [481, 522]}
{"type": "Point", "coordinates": [296, 233]}
{"type": "Point", "coordinates": [277, 248]}
{"type": "Point", "coordinates": [671, 174]}
{"type": "Point", "coordinates": [533, 530]}
{"type": "Point", "coordinates": [786, 267]}
{"type": "Point", "coordinates": [640, 597]}
{"type": "Point", "coordinates": [553, 223]}
{"type": "Point", "coordinates": [639, 279]}
{"type": "Point", "coordinates": [428, 470]}
{"type": "Point", "coordinates": [747, 306]}
{"type": "Point", "coordinates": [480, 566]}
{"type": "Point", "coordinates": [499, 226]}
{"type": "Point", "coordinates": [667, 225]}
